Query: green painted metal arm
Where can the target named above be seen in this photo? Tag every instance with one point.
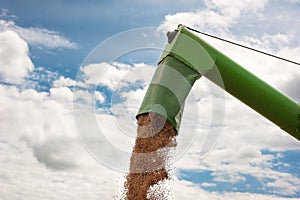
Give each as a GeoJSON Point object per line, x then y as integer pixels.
{"type": "Point", "coordinates": [186, 52]}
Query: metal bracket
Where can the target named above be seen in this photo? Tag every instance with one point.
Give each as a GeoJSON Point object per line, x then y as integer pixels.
{"type": "Point", "coordinates": [189, 49]}
{"type": "Point", "coordinates": [171, 35]}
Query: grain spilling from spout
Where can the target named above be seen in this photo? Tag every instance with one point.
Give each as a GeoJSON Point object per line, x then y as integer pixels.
{"type": "Point", "coordinates": [149, 163]}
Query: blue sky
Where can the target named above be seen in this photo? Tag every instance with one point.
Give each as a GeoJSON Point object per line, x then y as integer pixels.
{"type": "Point", "coordinates": [50, 146]}
{"type": "Point", "coordinates": [86, 24]}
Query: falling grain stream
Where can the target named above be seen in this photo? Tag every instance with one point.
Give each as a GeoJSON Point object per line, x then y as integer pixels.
{"type": "Point", "coordinates": [150, 157]}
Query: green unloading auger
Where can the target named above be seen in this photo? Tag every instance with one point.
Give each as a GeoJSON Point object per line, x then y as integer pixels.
{"type": "Point", "coordinates": [187, 57]}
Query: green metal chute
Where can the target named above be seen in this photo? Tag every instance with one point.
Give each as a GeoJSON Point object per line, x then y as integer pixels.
{"type": "Point", "coordinates": [192, 57]}
{"type": "Point", "coordinates": [168, 90]}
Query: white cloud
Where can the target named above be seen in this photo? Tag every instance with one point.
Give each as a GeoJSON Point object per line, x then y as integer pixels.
{"type": "Point", "coordinates": [285, 186]}
{"type": "Point", "coordinates": [232, 178]}
{"type": "Point", "coordinates": [5, 13]}
{"type": "Point", "coordinates": [208, 20]}
{"type": "Point", "coordinates": [42, 120]}
{"type": "Point", "coordinates": [82, 96]}
{"type": "Point", "coordinates": [23, 177]}
{"type": "Point", "coordinates": [291, 87]}
{"type": "Point", "coordinates": [67, 82]}
{"type": "Point", "coordinates": [205, 184]}
{"type": "Point", "coordinates": [277, 41]}
{"type": "Point", "coordinates": [40, 37]}
{"type": "Point", "coordinates": [115, 75]}
{"type": "Point", "coordinates": [218, 16]}
{"type": "Point", "coordinates": [64, 82]}
{"type": "Point", "coordinates": [104, 73]}
{"type": "Point", "coordinates": [62, 93]}
{"type": "Point", "coordinates": [41, 149]}
{"type": "Point", "coordinates": [235, 10]}
{"type": "Point", "coordinates": [15, 63]}
{"type": "Point", "coordinates": [99, 96]}
{"type": "Point", "coordinates": [32, 95]}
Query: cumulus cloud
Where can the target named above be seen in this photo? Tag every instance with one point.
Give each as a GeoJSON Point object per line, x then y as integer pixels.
{"type": "Point", "coordinates": [62, 93]}
{"type": "Point", "coordinates": [64, 82]}
{"type": "Point", "coordinates": [291, 88]}
{"type": "Point", "coordinates": [42, 120]}
{"type": "Point", "coordinates": [114, 75]}
{"type": "Point", "coordinates": [22, 176]}
{"type": "Point", "coordinates": [235, 10]}
{"type": "Point", "coordinates": [105, 74]}
{"type": "Point", "coordinates": [15, 62]}
{"type": "Point", "coordinates": [40, 37]}
{"type": "Point", "coordinates": [209, 20]}
{"type": "Point", "coordinates": [218, 16]}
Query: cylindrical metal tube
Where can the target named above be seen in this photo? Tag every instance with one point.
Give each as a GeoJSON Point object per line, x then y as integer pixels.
{"type": "Point", "coordinates": [168, 90]}
{"type": "Point", "coordinates": [258, 95]}
{"type": "Point", "coordinates": [251, 90]}
{"type": "Point", "coordinates": [186, 50]}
